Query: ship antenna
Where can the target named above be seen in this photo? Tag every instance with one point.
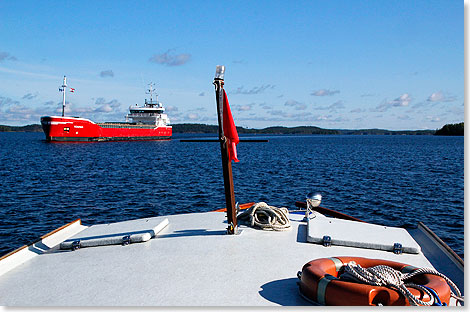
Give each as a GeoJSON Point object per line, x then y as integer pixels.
{"type": "Point", "coordinates": [150, 91]}
{"type": "Point", "coordinates": [62, 89]}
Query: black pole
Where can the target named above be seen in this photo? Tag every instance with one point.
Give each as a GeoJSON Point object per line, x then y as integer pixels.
{"type": "Point", "coordinates": [226, 163]}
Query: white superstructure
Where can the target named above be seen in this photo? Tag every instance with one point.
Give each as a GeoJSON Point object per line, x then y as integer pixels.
{"type": "Point", "coordinates": [152, 113]}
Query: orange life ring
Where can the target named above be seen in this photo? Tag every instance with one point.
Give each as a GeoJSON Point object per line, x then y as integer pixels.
{"type": "Point", "coordinates": [319, 282]}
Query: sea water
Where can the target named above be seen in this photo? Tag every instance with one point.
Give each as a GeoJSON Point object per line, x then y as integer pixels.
{"type": "Point", "coordinates": [389, 180]}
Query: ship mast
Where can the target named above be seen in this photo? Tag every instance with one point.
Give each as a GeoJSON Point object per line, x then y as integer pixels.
{"type": "Point", "coordinates": [63, 88]}
{"type": "Point", "coordinates": [150, 91]}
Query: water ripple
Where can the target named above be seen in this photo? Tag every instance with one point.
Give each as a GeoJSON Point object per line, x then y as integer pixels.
{"type": "Point", "coordinates": [393, 180]}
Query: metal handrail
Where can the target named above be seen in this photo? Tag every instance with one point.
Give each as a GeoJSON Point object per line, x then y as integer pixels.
{"type": "Point", "coordinates": [143, 114]}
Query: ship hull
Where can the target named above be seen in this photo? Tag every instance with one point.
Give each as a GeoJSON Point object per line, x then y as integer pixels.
{"type": "Point", "coordinates": [74, 129]}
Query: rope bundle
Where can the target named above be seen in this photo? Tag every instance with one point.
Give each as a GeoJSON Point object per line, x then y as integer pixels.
{"type": "Point", "coordinates": [382, 275]}
{"type": "Point", "coordinates": [266, 217]}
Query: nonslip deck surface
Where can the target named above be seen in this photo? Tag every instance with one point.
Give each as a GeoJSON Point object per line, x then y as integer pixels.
{"type": "Point", "coordinates": [192, 262]}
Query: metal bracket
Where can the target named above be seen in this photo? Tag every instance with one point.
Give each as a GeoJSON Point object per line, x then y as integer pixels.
{"type": "Point", "coordinates": [75, 245]}
{"type": "Point", "coordinates": [126, 240]}
{"type": "Point", "coordinates": [397, 248]}
{"type": "Point", "coordinates": [326, 241]}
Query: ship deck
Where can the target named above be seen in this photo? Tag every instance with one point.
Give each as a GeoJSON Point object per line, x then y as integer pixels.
{"type": "Point", "coordinates": [191, 262]}
{"type": "Point", "coordinates": [125, 125]}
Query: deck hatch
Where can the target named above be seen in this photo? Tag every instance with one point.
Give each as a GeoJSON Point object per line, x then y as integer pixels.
{"type": "Point", "coordinates": [330, 231]}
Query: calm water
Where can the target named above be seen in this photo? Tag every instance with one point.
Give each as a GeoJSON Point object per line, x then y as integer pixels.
{"type": "Point", "coordinates": [391, 180]}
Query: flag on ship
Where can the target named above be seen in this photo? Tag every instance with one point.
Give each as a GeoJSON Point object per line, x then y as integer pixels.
{"type": "Point", "coordinates": [72, 90]}
{"type": "Point", "coordinates": [230, 131]}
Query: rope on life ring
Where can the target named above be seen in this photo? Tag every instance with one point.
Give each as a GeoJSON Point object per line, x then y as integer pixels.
{"type": "Point", "coordinates": [382, 275]}
{"type": "Point", "coordinates": [266, 217]}
{"type": "Point", "coordinates": [355, 281]}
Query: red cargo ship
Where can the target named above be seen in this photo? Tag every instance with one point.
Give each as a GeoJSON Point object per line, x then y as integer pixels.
{"type": "Point", "coordinates": [146, 122]}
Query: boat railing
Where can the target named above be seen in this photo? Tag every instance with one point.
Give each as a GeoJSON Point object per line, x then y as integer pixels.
{"type": "Point", "coordinates": [143, 114]}
{"type": "Point", "coordinates": [151, 102]}
{"type": "Point", "coordinates": [122, 125]}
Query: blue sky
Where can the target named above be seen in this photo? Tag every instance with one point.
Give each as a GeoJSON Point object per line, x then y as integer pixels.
{"type": "Point", "coordinates": [332, 64]}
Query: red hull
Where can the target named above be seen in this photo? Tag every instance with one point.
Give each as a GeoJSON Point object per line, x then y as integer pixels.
{"type": "Point", "coordinates": [80, 129]}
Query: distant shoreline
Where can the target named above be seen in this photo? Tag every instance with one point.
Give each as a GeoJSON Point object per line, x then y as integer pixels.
{"type": "Point", "coordinates": [213, 129]}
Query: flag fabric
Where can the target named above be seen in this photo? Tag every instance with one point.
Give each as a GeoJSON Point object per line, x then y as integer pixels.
{"type": "Point", "coordinates": [72, 90]}
{"type": "Point", "coordinates": [230, 131]}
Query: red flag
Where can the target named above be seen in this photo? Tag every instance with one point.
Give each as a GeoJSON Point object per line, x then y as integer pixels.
{"type": "Point", "coordinates": [72, 90]}
{"type": "Point", "coordinates": [230, 131]}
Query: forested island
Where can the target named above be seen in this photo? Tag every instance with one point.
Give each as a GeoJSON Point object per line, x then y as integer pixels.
{"type": "Point", "coordinates": [201, 128]}
{"type": "Point", "coordinates": [450, 129]}
{"type": "Point", "coordinates": [28, 128]}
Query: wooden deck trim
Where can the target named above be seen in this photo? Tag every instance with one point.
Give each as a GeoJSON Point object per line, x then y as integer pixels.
{"type": "Point", "coordinates": [329, 212]}
{"type": "Point", "coordinates": [40, 239]}
{"type": "Point", "coordinates": [439, 241]}
{"type": "Point", "coordinates": [241, 206]}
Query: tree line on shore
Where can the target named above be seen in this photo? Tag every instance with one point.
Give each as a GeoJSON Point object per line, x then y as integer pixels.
{"type": "Point", "coordinates": [448, 130]}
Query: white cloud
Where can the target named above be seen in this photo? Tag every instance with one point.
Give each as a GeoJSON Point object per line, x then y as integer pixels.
{"type": "Point", "coordinates": [401, 101]}
{"type": "Point", "coordinates": [21, 113]}
{"type": "Point", "coordinates": [333, 107]}
{"type": "Point", "coordinates": [106, 107]}
{"type": "Point", "coordinates": [29, 96]}
{"type": "Point", "coordinates": [193, 116]}
{"type": "Point", "coordinates": [244, 108]}
{"type": "Point", "coordinates": [433, 118]}
{"type": "Point", "coordinates": [6, 101]}
{"type": "Point", "coordinates": [254, 90]}
{"type": "Point", "coordinates": [321, 117]}
{"type": "Point", "coordinates": [5, 56]}
{"type": "Point", "coordinates": [170, 59]}
{"type": "Point", "coordinates": [171, 108]}
{"type": "Point", "coordinates": [457, 110]}
{"type": "Point", "coordinates": [276, 112]}
{"type": "Point", "coordinates": [107, 73]}
{"type": "Point", "coordinates": [440, 97]}
{"type": "Point", "coordinates": [296, 105]}
{"type": "Point", "coordinates": [324, 92]}
{"type": "Point", "coordinates": [404, 117]}
{"type": "Point", "coordinates": [265, 106]}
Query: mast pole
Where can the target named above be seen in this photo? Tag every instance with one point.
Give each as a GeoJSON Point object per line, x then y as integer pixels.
{"type": "Point", "coordinates": [64, 87]}
{"type": "Point", "coordinates": [226, 163]}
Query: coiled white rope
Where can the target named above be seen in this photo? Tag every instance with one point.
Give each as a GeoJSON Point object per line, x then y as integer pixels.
{"type": "Point", "coordinates": [382, 275]}
{"type": "Point", "coordinates": [266, 217]}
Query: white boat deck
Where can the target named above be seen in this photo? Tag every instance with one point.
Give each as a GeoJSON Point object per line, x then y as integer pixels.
{"type": "Point", "coordinates": [191, 262]}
